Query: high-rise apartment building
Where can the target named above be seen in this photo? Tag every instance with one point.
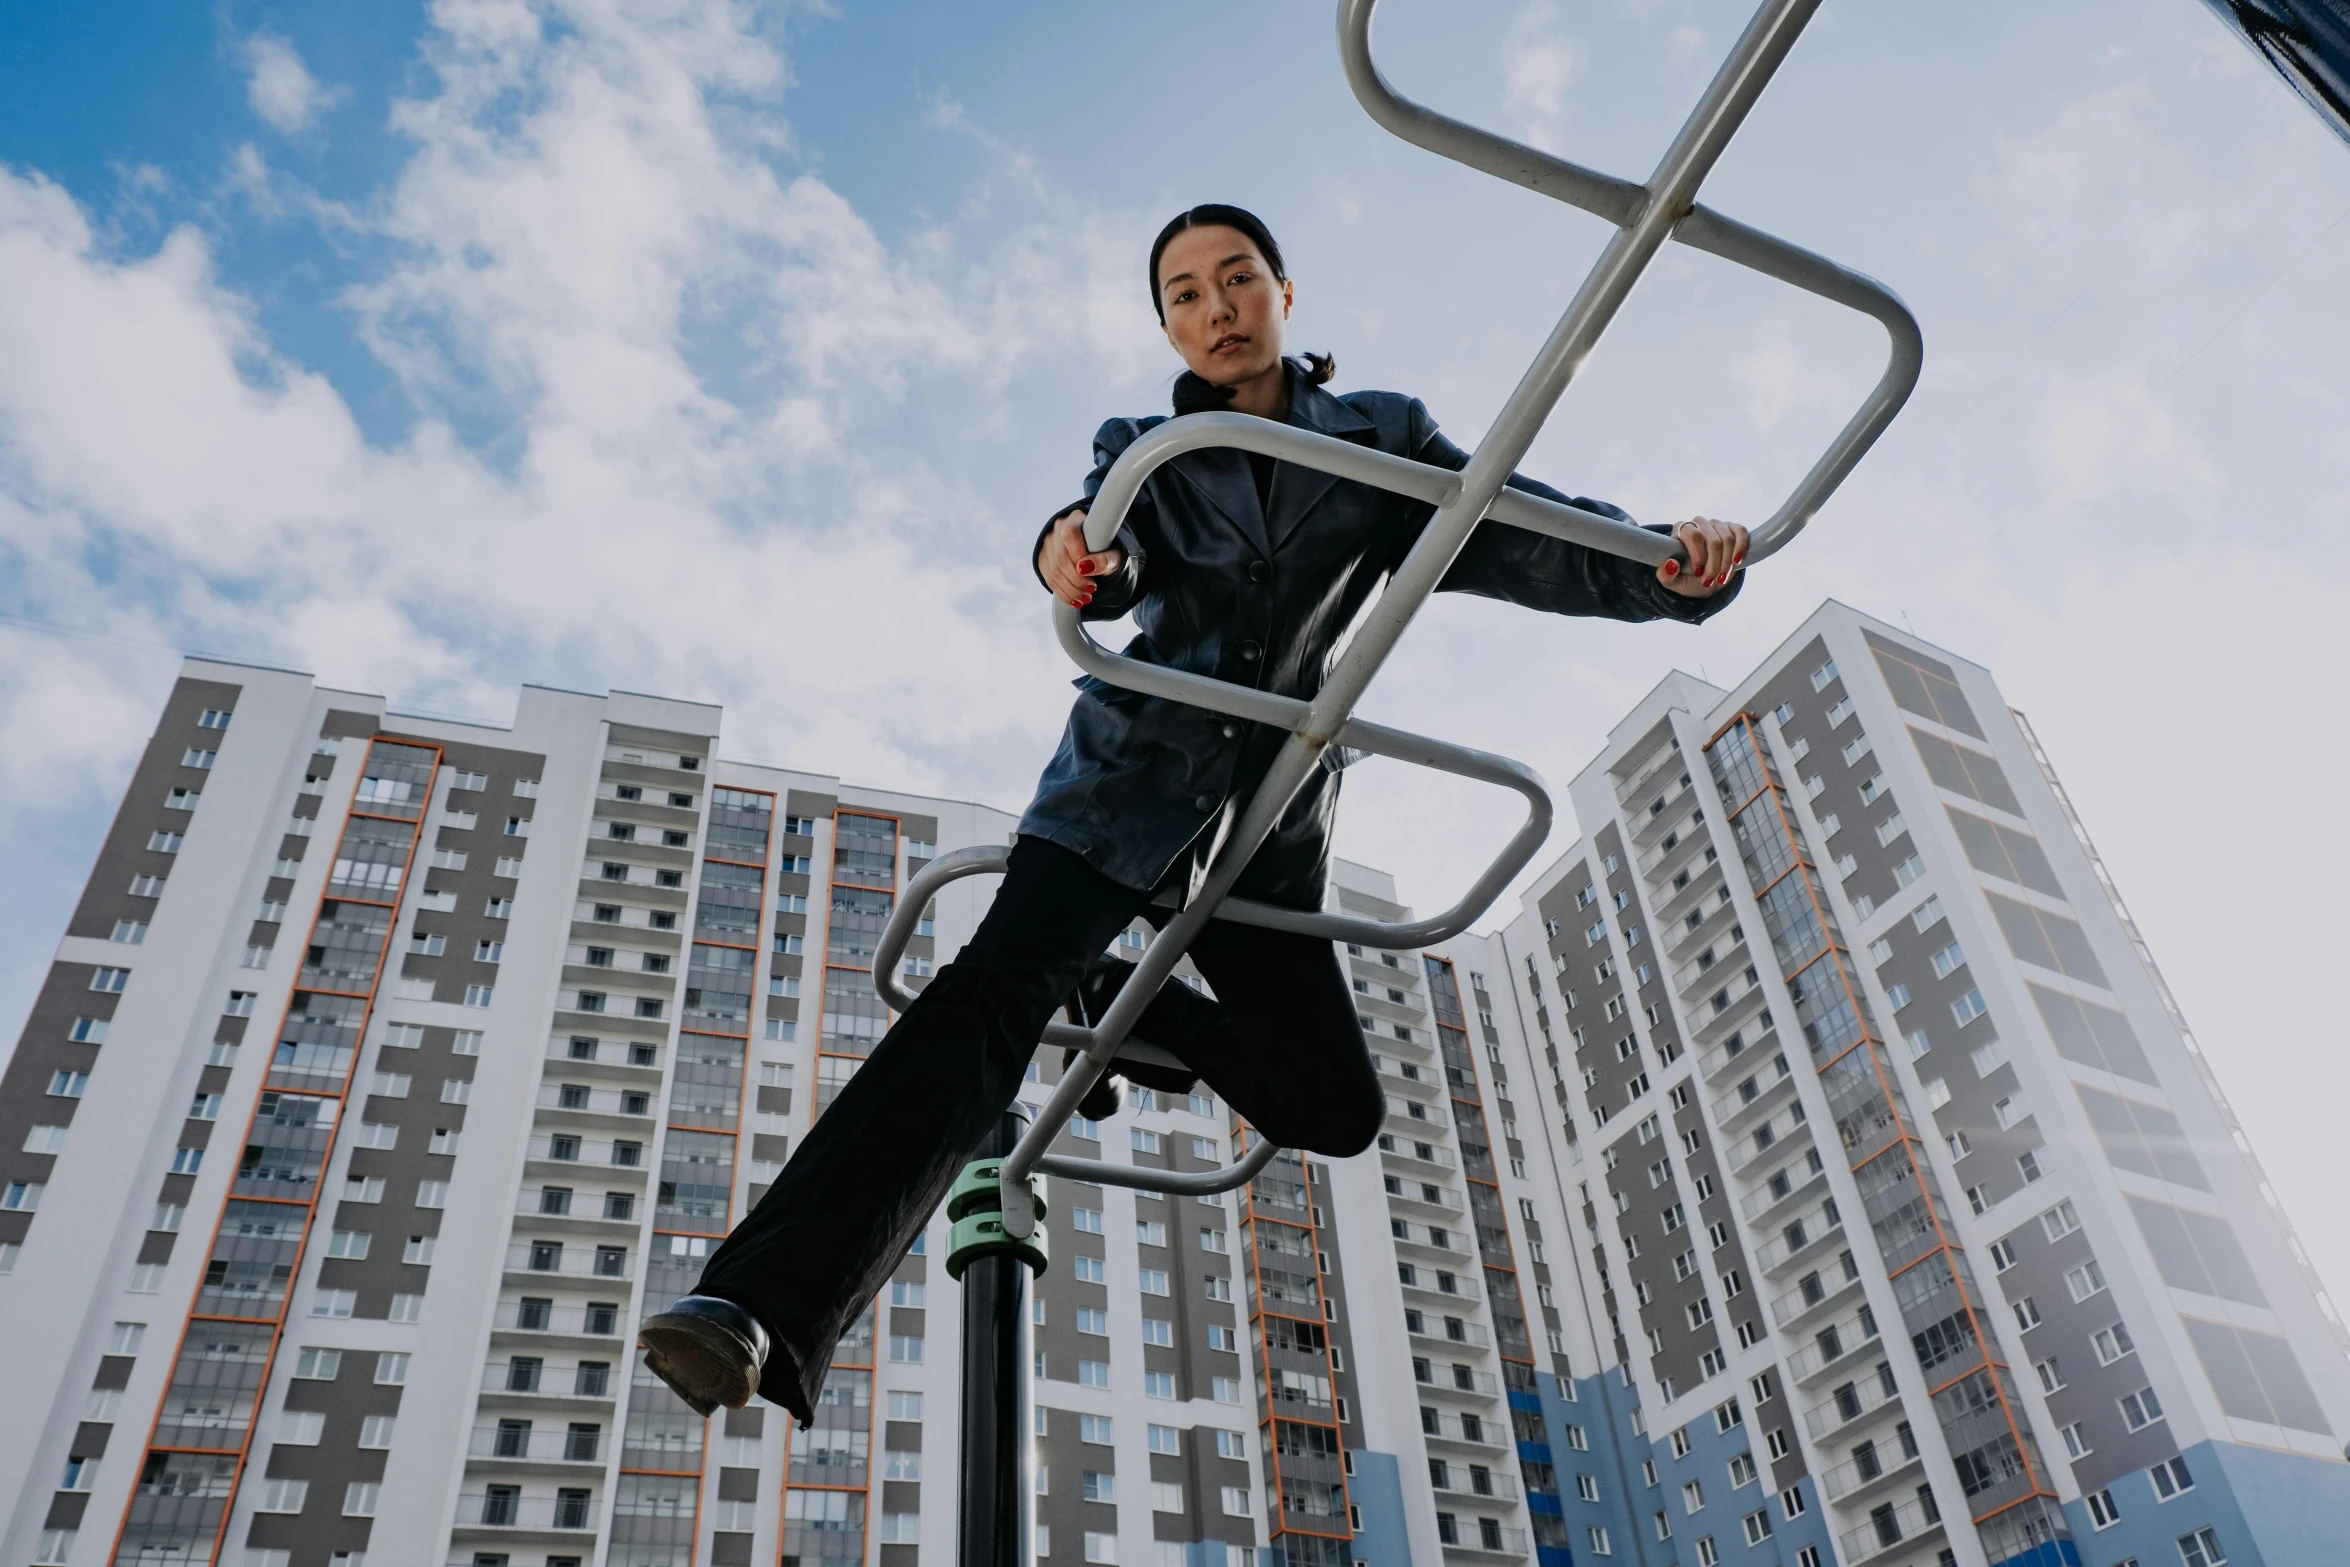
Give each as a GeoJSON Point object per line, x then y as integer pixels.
{"type": "Point", "coordinates": [1813, 1171]}
{"type": "Point", "coordinates": [1897, 1172]}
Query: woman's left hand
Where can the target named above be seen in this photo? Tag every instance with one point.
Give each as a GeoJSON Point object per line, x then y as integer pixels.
{"type": "Point", "coordinates": [1716, 550]}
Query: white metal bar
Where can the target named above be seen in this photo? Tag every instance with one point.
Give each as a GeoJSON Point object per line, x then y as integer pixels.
{"type": "Point", "coordinates": [1701, 228]}
{"type": "Point", "coordinates": [1645, 217]}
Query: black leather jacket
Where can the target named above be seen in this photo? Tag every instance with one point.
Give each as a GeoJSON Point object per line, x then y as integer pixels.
{"type": "Point", "coordinates": [1144, 787]}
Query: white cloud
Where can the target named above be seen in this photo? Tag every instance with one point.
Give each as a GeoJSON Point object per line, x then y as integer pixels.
{"type": "Point", "coordinates": [280, 87]}
{"type": "Point", "coordinates": [595, 193]}
{"type": "Point", "coordinates": [1539, 61]}
{"type": "Point", "coordinates": [745, 527]}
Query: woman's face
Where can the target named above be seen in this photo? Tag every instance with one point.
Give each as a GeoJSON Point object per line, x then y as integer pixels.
{"type": "Point", "coordinates": [1224, 306]}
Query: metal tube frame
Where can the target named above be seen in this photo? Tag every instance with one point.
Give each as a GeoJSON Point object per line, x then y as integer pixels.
{"type": "Point", "coordinates": [995, 1458]}
{"type": "Point", "coordinates": [1645, 216]}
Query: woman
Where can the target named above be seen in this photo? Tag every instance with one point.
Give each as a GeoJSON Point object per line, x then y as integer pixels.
{"type": "Point", "coordinates": [1235, 566]}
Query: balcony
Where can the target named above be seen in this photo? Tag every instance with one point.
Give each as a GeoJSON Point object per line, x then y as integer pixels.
{"type": "Point", "coordinates": [1474, 1483]}
{"type": "Point", "coordinates": [1406, 1195]}
{"type": "Point", "coordinates": [1853, 1401]}
{"type": "Point", "coordinates": [1772, 1134]}
{"type": "Point", "coordinates": [1664, 813]}
{"type": "Point", "coordinates": [610, 1059]}
{"type": "Point", "coordinates": [1834, 1348]}
{"type": "Point", "coordinates": [1488, 1539]}
{"type": "Point", "coordinates": [1684, 848]}
{"type": "Point", "coordinates": [1714, 1061]}
{"type": "Point", "coordinates": [1869, 1470]}
{"type": "Point", "coordinates": [567, 1513]}
{"type": "Point", "coordinates": [1761, 1090]}
{"type": "Point", "coordinates": [583, 1099]}
{"type": "Point", "coordinates": [1717, 925]}
{"type": "Point", "coordinates": [1889, 1527]}
{"type": "Point", "coordinates": [1651, 777]}
{"type": "Point", "coordinates": [1816, 1291]}
{"type": "Point", "coordinates": [1409, 1151]}
{"type": "Point", "coordinates": [1448, 1330]}
{"type": "Point", "coordinates": [521, 1442]}
{"type": "Point", "coordinates": [561, 1318]}
{"type": "Point", "coordinates": [526, 1377]}
{"type": "Point", "coordinates": [1455, 1379]}
{"type": "Point", "coordinates": [1801, 1239]}
{"type": "Point", "coordinates": [617, 1153]}
{"type": "Point", "coordinates": [1713, 966]}
{"type": "Point", "coordinates": [1467, 1430]}
{"type": "Point", "coordinates": [1797, 1179]}
{"type": "Point", "coordinates": [554, 1259]}
{"type": "Point", "coordinates": [1405, 1077]}
{"type": "Point", "coordinates": [1441, 1283]}
{"type": "Point", "coordinates": [1415, 1118]}
{"type": "Point", "coordinates": [1689, 888]}
{"type": "Point", "coordinates": [1729, 1008]}
{"type": "Point", "coordinates": [584, 1217]}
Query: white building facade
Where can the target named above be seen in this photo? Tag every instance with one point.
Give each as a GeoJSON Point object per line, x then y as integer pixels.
{"type": "Point", "coordinates": [1814, 1169]}
{"type": "Point", "coordinates": [1900, 1173]}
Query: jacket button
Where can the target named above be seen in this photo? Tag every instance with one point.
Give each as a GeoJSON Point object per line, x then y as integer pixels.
{"type": "Point", "coordinates": [1230, 730]}
{"type": "Point", "coordinates": [1249, 650]}
{"type": "Point", "coordinates": [1206, 802]}
{"type": "Point", "coordinates": [1258, 571]}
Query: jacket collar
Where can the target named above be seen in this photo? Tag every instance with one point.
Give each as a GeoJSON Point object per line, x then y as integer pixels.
{"type": "Point", "coordinates": [1222, 473]}
{"type": "Point", "coordinates": [1298, 490]}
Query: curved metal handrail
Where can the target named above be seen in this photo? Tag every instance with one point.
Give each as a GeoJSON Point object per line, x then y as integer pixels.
{"type": "Point", "coordinates": [1621, 202]}
{"type": "Point", "coordinates": [1198, 1183]}
{"type": "Point", "coordinates": [1646, 216]}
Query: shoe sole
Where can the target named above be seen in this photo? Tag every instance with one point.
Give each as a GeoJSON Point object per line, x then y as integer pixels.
{"type": "Point", "coordinates": [703, 1363]}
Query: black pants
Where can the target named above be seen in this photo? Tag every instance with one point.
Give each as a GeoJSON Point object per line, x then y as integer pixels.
{"type": "Point", "coordinates": [1283, 1047]}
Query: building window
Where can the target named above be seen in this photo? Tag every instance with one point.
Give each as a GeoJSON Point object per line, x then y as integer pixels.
{"type": "Point", "coordinates": [2201, 1549]}
{"type": "Point", "coordinates": [2170, 1477]}
{"type": "Point", "coordinates": [2103, 1513]}
{"type": "Point", "coordinates": [2140, 1409]}
{"type": "Point", "coordinates": [2086, 1280]}
{"type": "Point", "coordinates": [282, 1496]}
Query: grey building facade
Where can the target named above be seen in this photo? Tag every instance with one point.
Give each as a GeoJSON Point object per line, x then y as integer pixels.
{"type": "Point", "coordinates": [1813, 1169]}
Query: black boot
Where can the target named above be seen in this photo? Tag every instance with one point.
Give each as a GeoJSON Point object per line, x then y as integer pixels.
{"type": "Point", "coordinates": [1177, 1012]}
{"type": "Point", "coordinates": [710, 1351]}
{"type": "Point", "coordinates": [1102, 1100]}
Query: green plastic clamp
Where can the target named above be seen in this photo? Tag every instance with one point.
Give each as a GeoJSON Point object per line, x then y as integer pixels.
{"type": "Point", "coordinates": [975, 1204]}
{"type": "Point", "coordinates": [980, 1186]}
{"type": "Point", "coordinates": [982, 1235]}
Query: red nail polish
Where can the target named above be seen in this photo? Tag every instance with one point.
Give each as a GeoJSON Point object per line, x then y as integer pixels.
{"type": "Point", "coordinates": [1672, 568]}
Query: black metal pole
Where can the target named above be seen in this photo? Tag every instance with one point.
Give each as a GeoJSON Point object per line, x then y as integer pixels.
{"type": "Point", "coordinates": [994, 1474]}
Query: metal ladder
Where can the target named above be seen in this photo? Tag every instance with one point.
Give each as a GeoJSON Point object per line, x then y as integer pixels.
{"type": "Point", "coordinates": [1645, 216]}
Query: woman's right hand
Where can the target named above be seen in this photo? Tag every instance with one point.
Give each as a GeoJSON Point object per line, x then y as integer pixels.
{"type": "Point", "coordinates": [1067, 566]}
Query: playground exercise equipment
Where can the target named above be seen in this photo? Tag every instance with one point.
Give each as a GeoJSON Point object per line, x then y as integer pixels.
{"type": "Point", "coordinates": [1645, 216]}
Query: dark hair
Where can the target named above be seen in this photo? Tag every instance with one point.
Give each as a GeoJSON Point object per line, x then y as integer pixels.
{"type": "Point", "coordinates": [1215, 214]}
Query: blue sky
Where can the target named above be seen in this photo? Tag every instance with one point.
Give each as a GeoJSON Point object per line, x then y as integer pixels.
{"type": "Point", "coordinates": [706, 348]}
